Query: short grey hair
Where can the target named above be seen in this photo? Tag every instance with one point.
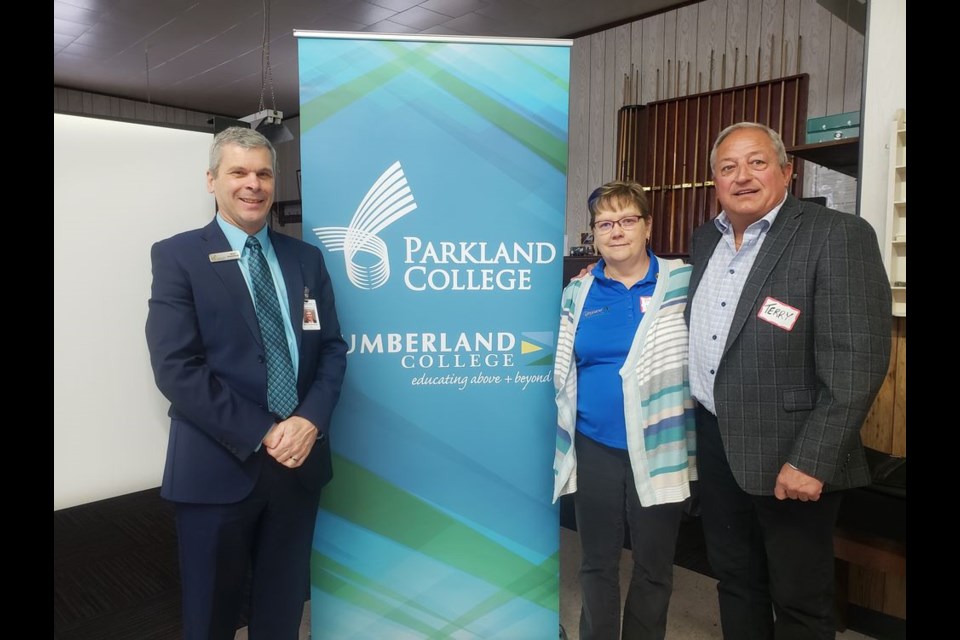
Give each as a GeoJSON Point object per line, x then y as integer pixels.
{"type": "Point", "coordinates": [242, 137]}
{"type": "Point", "coordinates": [773, 135]}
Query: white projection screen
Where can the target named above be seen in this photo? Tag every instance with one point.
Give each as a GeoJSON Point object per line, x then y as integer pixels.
{"type": "Point", "coordinates": [118, 188]}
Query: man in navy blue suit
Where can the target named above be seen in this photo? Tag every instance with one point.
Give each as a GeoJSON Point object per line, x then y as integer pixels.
{"type": "Point", "coordinates": [245, 478]}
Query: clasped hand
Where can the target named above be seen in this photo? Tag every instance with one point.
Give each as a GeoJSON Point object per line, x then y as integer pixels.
{"type": "Point", "coordinates": [290, 442]}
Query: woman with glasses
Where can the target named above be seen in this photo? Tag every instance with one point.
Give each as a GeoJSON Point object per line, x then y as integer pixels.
{"type": "Point", "coordinates": [625, 434]}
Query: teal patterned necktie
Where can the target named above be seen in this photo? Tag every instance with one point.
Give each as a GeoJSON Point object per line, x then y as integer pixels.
{"type": "Point", "coordinates": [281, 381]}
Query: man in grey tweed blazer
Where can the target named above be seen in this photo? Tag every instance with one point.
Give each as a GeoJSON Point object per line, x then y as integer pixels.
{"type": "Point", "coordinates": [789, 343]}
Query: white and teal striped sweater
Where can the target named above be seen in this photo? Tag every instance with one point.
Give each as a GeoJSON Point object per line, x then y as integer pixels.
{"type": "Point", "coordinates": [659, 412]}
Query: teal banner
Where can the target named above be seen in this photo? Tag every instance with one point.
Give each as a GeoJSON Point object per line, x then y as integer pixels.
{"type": "Point", "coordinates": [434, 181]}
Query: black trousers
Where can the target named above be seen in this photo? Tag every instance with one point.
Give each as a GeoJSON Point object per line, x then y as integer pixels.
{"type": "Point", "coordinates": [605, 502]}
{"type": "Point", "coordinates": [772, 557]}
{"type": "Point", "coordinates": [269, 532]}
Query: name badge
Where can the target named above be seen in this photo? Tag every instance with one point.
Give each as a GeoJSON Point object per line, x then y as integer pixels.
{"type": "Point", "coordinates": [778, 314]}
{"type": "Point", "coordinates": [223, 256]}
{"type": "Point", "coordinates": [311, 319]}
{"type": "Point", "coordinates": [644, 303]}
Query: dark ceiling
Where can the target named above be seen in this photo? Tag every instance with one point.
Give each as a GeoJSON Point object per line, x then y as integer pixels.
{"type": "Point", "coordinates": [206, 55]}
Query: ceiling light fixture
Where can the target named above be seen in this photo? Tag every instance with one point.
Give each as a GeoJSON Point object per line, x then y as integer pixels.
{"type": "Point", "coordinates": [269, 122]}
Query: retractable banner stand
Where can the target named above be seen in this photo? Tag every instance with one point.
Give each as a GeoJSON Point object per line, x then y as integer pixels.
{"type": "Point", "coordinates": [434, 181]}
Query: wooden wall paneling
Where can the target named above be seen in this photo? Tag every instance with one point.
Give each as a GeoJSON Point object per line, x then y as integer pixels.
{"type": "Point", "coordinates": [814, 54]}
{"type": "Point", "coordinates": [623, 54]}
{"type": "Point", "coordinates": [711, 127]}
{"type": "Point", "coordinates": [87, 100]}
{"type": "Point", "coordinates": [853, 84]}
{"type": "Point", "coordinates": [837, 67]}
{"type": "Point", "coordinates": [895, 595]}
{"type": "Point", "coordinates": [579, 140]}
{"type": "Point", "coordinates": [771, 36]}
{"type": "Point", "coordinates": [655, 171]}
{"type": "Point", "coordinates": [736, 48]}
{"type": "Point", "coordinates": [711, 38]}
{"type": "Point", "coordinates": [636, 57]}
{"type": "Point", "coordinates": [752, 53]}
{"type": "Point", "coordinates": [115, 107]}
{"type": "Point", "coordinates": [73, 100]}
{"type": "Point", "coordinates": [652, 59]}
{"type": "Point", "coordinates": [900, 392]}
{"type": "Point", "coordinates": [687, 44]}
{"type": "Point", "coordinates": [668, 212]}
{"type": "Point", "coordinates": [662, 194]}
{"type": "Point", "coordinates": [624, 130]}
{"type": "Point", "coordinates": [180, 116]}
{"type": "Point", "coordinates": [815, 22]}
{"type": "Point", "coordinates": [597, 109]}
{"type": "Point", "coordinates": [866, 587]}
{"type": "Point", "coordinates": [102, 105]}
{"type": "Point", "coordinates": [701, 166]}
{"type": "Point", "coordinates": [877, 430]}
{"type": "Point", "coordinates": [687, 49]}
{"type": "Point", "coordinates": [612, 87]}
{"type": "Point", "coordinates": [788, 41]}
{"type": "Point", "coordinates": [670, 53]}
{"type": "Point", "coordinates": [128, 109]}
{"type": "Point", "coordinates": [654, 68]}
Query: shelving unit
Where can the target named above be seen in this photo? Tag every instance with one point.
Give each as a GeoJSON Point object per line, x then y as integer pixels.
{"type": "Point", "coordinates": [839, 155]}
{"type": "Point", "coordinates": [896, 256]}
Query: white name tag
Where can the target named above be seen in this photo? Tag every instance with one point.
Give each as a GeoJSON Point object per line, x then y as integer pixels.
{"type": "Point", "coordinates": [223, 256]}
{"type": "Point", "coordinates": [778, 314]}
{"type": "Point", "coordinates": [311, 319]}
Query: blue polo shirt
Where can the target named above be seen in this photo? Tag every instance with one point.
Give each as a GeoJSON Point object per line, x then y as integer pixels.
{"type": "Point", "coordinates": [608, 324]}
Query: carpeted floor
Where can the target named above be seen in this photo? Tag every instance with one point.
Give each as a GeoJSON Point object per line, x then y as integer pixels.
{"type": "Point", "coordinates": [115, 573]}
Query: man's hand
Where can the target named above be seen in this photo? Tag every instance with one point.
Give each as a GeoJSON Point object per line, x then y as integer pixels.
{"type": "Point", "coordinates": [796, 485]}
{"type": "Point", "coordinates": [583, 272]}
{"type": "Point", "coordinates": [290, 441]}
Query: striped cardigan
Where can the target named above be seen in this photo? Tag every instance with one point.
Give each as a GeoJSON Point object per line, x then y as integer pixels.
{"type": "Point", "coordinates": [659, 412]}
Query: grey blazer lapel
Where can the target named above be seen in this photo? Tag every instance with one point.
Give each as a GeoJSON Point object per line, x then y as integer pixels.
{"type": "Point", "coordinates": [774, 245]}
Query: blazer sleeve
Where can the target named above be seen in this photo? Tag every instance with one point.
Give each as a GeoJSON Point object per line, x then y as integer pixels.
{"type": "Point", "coordinates": [852, 307]}
{"type": "Point", "coordinates": [183, 361]}
{"type": "Point", "coordinates": [324, 357]}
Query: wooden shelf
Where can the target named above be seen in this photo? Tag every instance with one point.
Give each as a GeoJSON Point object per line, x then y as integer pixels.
{"type": "Point", "coordinates": [896, 233]}
{"type": "Point", "coordinates": [839, 155]}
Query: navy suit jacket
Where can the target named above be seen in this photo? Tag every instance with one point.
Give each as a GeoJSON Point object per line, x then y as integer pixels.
{"type": "Point", "coordinates": [801, 396]}
{"type": "Point", "coordinates": [209, 362]}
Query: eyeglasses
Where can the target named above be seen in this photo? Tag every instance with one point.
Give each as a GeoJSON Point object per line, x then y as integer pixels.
{"type": "Point", "coordinates": [606, 226]}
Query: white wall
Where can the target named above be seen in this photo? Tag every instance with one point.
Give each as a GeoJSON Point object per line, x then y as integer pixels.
{"type": "Point", "coordinates": [118, 188]}
{"type": "Point", "coordinates": [885, 91]}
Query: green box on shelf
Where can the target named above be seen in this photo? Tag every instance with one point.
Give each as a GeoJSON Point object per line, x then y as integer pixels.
{"type": "Point", "coordinates": [834, 134]}
{"type": "Point", "coordinates": [836, 121]}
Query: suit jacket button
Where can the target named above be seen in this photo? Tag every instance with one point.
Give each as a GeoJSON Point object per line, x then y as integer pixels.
{"type": "Point", "coordinates": [260, 359]}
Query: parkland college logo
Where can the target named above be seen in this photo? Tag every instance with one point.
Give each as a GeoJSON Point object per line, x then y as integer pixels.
{"type": "Point", "coordinates": [365, 254]}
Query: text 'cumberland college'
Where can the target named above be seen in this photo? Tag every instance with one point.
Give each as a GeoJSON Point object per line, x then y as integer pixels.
{"type": "Point", "coordinates": [440, 350]}
{"type": "Point", "coordinates": [431, 265]}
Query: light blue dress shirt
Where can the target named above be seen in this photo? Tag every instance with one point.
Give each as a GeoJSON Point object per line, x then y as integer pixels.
{"type": "Point", "coordinates": [716, 300]}
{"type": "Point", "coordinates": [238, 239]}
